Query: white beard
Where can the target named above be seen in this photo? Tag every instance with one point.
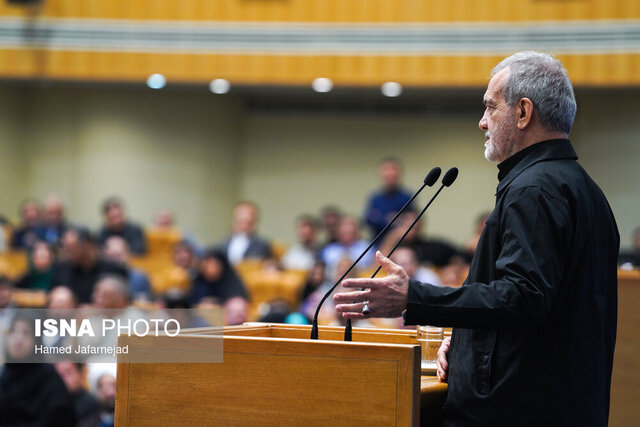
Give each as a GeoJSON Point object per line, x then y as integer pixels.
{"type": "Point", "coordinates": [501, 143]}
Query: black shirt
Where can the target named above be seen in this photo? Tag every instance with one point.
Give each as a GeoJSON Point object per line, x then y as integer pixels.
{"type": "Point", "coordinates": [32, 394]}
{"type": "Point", "coordinates": [535, 321]}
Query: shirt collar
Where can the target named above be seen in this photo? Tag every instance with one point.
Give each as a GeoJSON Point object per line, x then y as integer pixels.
{"type": "Point", "coordinates": [553, 149]}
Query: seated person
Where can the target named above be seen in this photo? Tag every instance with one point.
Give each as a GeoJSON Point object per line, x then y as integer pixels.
{"type": "Point", "coordinates": [244, 242]}
{"type": "Point", "coordinates": [111, 292]}
{"type": "Point", "coordinates": [61, 299]}
{"type": "Point", "coordinates": [217, 283]}
{"type": "Point", "coordinates": [7, 312]}
{"type": "Point", "coordinates": [431, 252]}
{"type": "Point", "coordinates": [84, 404]}
{"type": "Point", "coordinates": [315, 279]}
{"type": "Point", "coordinates": [349, 245]}
{"type": "Point", "coordinates": [102, 385]}
{"type": "Point", "coordinates": [302, 256]}
{"type": "Point", "coordinates": [327, 314]}
{"type": "Point", "coordinates": [472, 243]}
{"type": "Point", "coordinates": [184, 256]}
{"type": "Point", "coordinates": [54, 221]}
{"type": "Point", "coordinates": [164, 221]}
{"type": "Point", "coordinates": [82, 267]}
{"type": "Point", "coordinates": [631, 258]}
{"type": "Point", "coordinates": [330, 216]}
{"type": "Point", "coordinates": [180, 272]}
{"type": "Point", "coordinates": [30, 229]}
{"type": "Point", "coordinates": [5, 233]}
{"type": "Point", "coordinates": [41, 268]}
{"type": "Point", "coordinates": [406, 258]}
{"type": "Point", "coordinates": [116, 224]}
{"type": "Point", "coordinates": [164, 235]}
{"type": "Point", "coordinates": [31, 393]}
{"type": "Point", "coordinates": [116, 250]}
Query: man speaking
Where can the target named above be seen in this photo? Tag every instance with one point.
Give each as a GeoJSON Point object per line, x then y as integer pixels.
{"type": "Point", "coordinates": [535, 321]}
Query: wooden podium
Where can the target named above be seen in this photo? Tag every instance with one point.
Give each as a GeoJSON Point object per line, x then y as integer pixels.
{"type": "Point", "coordinates": [272, 374]}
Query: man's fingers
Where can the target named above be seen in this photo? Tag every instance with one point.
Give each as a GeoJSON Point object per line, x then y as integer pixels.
{"type": "Point", "coordinates": [355, 296]}
{"type": "Point", "coordinates": [442, 374]}
{"type": "Point", "coordinates": [441, 360]}
{"type": "Point", "coordinates": [350, 308]}
{"type": "Point", "coordinates": [353, 315]}
{"type": "Point", "coordinates": [361, 283]}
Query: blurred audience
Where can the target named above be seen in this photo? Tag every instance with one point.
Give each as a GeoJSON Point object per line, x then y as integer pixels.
{"type": "Point", "coordinates": [102, 385]}
{"type": "Point", "coordinates": [184, 256]}
{"type": "Point", "coordinates": [315, 279]}
{"type": "Point", "coordinates": [431, 252]}
{"type": "Point", "coordinates": [71, 278]}
{"type": "Point", "coordinates": [164, 234]}
{"type": "Point", "coordinates": [116, 250]}
{"type": "Point", "coordinates": [406, 258]}
{"type": "Point", "coordinates": [331, 216]}
{"type": "Point", "coordinates": [116, 224]}
{"type": "Point", "coordinates": [631, 258]}
{"type": "Point", "coordinates": [111, 292]}
{"type": "Point", "coordinates": [7, 312]}
{"type": "Point", "coordinates": [386, 202]}
{"type": "Point", "coordinates": [182, 271]}
{"type": "Point", "coordinates": [5, 233]}
{"type": "Point", "coordinates": [472, 243]}
{"type": "Point", "coordinates": [164, 220]}
{"type": "Point", "coordinates": [454, 273]}
{"type": "Point", "coordinates": [41, 268]}
{"type": "Point", "coordinates": [82, 267]}
{"type": "Point", "coordinates": [327, 314]}
{"type": "Point", "coordinates": [54, 220]}
{"type": "Point", "coordinates": [244, 242]}
{"type": "Point", "coordinates": [303, 254]}
{"type": "Point", "coordinates": [30, 229]}
{"type": "Point", "coordinates": [217, 283]}
{"type": "Point", "coordinates": [31, 394]}
{"type": "Point", "coordinates": [85, 406]}
{"type": "Point", "coordinates": [274, 311]}
{"type": "Point", "coordinates": [61, 299]}
{"type": "Point", "coordinates": [59, 303]}
{"type": "Point", "coordinates": [348, 245]}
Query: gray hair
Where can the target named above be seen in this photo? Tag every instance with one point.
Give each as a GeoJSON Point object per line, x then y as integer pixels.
{"type": "Point", "coordinates": [120, 285]}
{"type": "Point", "coordinates": [544, 80]}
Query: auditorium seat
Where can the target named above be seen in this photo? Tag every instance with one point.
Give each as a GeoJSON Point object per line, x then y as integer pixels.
{"type": "Point", "coordinates": [163, 273]}
{"type": "Point", "coordinates": [264, 286]}
{"type": "Point", "coordinates": [161, 241]}
{"type": "Point", "coordinates": [13, 263]}
{"type": "Point", "coordinates": [278, 249]}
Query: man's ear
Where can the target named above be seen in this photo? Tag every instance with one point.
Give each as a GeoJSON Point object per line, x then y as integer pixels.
{"type": "Point", "coordinates": [524, 113]}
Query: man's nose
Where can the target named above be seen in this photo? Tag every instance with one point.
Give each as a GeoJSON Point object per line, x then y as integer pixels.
{"type": "Point", "coordinates": [483, 123]}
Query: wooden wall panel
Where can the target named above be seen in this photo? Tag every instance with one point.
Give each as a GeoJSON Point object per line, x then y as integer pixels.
{"type": "Point", "coordinates": [411, 71]}
{"type": "Point", "coordinates": [334, 10]}
{"type": "Point", "coordinates": [429, 66]}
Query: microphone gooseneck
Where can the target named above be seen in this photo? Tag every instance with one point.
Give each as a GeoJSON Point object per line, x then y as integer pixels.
{"type": "Point", "coordinates": [429, 180]}
{"type": "Point", "coordinates": [448, 179]}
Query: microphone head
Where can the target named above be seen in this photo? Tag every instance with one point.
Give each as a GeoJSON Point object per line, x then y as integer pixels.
{"type": "Point", "coordinates": [432, 176]}
{"type": "Point", "coordinates": [450, 177]}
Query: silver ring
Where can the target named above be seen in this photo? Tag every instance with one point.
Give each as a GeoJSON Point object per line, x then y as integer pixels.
{"type": "Point", "coordinates": [365, 309]}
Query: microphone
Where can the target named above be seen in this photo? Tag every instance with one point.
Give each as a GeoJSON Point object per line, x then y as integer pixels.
{"type": "Point", "coordinates": [429, 180]}
{"type": "Point", "coordinates": [448, 179]}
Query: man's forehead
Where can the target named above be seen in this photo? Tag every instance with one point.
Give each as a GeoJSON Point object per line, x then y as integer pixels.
{"type": "Point", "coordinates": [494, 89]}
